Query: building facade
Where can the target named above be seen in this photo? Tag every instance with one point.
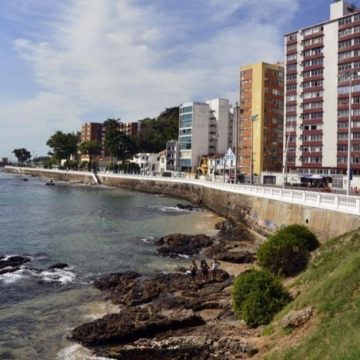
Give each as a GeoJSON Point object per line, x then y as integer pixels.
{"type": "Point", "coordinates": [321, 62]}
{"type": "Point", "coordinates": [203, 129]}
{"type": "Point", "coordinates": [261, 118]}
{"type": "Point", "coordinates": [91, 132]}
{"type": "Point", "coordinates": [172, 155]}
{"type": "Point", "coordinates": [131, 129]}
{"type": "Point", "coordinates": [148, 163]}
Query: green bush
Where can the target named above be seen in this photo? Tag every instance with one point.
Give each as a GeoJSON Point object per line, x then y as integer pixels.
{"type": "Point", "coordinates": [303, 234]}
{"type": "Point", "coordinates": [283, 254]}
{"type": "Point", "coordinates": [257, 296]}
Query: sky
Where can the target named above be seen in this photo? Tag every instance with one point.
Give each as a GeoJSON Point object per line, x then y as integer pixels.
{"type": "Point", "coordinates": [73, 61]}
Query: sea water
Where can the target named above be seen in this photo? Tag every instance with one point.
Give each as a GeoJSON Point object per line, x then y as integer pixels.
{"type": "Point", "coordinates": [95, 230]}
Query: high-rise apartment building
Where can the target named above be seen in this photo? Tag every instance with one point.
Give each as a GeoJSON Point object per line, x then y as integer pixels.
{"type": "Point", "coordinates": [322, 62]}
{"type": "Point", "coordinates": [261, 118]}
{"type": "Point", "coordinates": [203, 130]}
{"type": "Point", "coordinates": [91, 132]}
{"type": "Point", "coordinates": [131, 129]}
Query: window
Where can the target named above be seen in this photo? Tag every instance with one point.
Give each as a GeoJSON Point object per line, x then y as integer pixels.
{"type": "Point", "coordinates": [291, 98]}
{"type": "Point", "coordinates": [291, 77]}
{"type": "Point", "coordinates": [345, 55]}
{"type": "Point", "coordinates": [291, 67]}
{"type": "Point", "coordinates": [342, 125]}
{"type": "Point", "coordinates": [291, 57]}
{"type": "Point", "coordinates": [187, 109]}
{"type": "Point", "coordinates": [345, 21]}
{"type": "Point", "coordinates": [291, 87]}
{"type": "Point", "coordinates": [345, 32]}
{"type": "Point", "coordinates": [345, 43]}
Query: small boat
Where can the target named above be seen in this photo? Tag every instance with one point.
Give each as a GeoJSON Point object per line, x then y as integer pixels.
{"type": "Point", "coordinates": [25, 179]}
{"type": "Point", "coordinates": [50, 183]}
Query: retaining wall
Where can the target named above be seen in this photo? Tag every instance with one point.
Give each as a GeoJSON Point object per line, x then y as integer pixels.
{"type": "Point", "coordinates": [254, 211]}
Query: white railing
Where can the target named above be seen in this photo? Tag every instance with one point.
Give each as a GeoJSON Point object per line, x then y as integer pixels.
{"type": "Point", "coordinates": [334, 202]}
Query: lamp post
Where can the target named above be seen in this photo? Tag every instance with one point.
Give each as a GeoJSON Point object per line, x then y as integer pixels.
{"type": "Point", "coordinates": [349, 74]}
{"type": "Point", "coordinates": [253, 118]}
{"type": "Point", "coordinates": [286, 151]}
{"type": "Point", "coordinates": [237, 141]}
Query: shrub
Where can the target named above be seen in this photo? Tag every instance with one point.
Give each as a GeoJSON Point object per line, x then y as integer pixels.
{"type": "Point", "coordinates": [283, 254]}
{"type": "Point", "coordinates": [257, 296]}
{"type": "Point", "coordinates": [303, 234]}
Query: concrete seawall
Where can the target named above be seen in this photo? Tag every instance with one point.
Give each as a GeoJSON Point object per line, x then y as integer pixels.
{"type": "Point", "coordinates": [254, 211]}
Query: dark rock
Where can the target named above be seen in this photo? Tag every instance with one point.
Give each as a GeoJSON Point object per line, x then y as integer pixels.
{"type": "Point", "coordinates": [58, 266]}
{"type": "Point", "coordinates": [174, 348]}
{"type": "Point", "coordinates": [188, 207]}
{"type": "Point", "coordinates": [13, 261]}
{"type": "Point", "coordinates": [175, 244]}
{"type": "Point", "coordinates": [115, 280]}
{"type": "Point", "coordinates": [225, 226]}
{"type": "Point", "coordinates": [239, 257]}
{"type": "Point", "coordinates": [231, 231]}
{"type": "Point", "coordinates": [129, 326]}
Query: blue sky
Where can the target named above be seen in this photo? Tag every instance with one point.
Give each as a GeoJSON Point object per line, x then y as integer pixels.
{"type": "Point", "coordinates": [70, 61]}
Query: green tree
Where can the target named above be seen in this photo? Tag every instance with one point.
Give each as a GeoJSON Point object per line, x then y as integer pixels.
{"type": "Point", "coordinates": [257, 296]}
{"type": "Point", "coordinates": [63, 145]}
{"type": "Point", "coordinates": [155, 133]}
{"type": "Point", "coordinates": [117, 143]}
{"type": "Point", "coordinates": [22, 155]}
{"type": "Point", "coordinates": [90, 148]}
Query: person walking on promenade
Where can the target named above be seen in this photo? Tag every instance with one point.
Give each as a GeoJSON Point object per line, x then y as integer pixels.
{"type": "Point", "coordinates": [204, 270]}
{"type": "Point", "coordinates": [214, 267]}
{"type": "Point", "coordinates": [193, 271]}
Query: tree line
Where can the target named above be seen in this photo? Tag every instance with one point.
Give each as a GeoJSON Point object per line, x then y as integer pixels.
{"type": "Point", "coordinates": [117, 145]}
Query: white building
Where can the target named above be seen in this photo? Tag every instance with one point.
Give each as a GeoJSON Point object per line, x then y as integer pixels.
{"type": "Point", "coordinates": [148, 163]}
{"type": "Point", "coordinates": [218, 164]}
{"type": "Point", "coordinates": [204, 128]}
{"type": "Point", "coordinates": [320, 60]}
{"type": "Point", "coordinates": [172, 155]}
{"type": "Point", "coordinates": [162, 161]}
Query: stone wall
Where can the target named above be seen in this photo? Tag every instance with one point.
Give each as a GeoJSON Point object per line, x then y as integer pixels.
{"type": "Point", "coordinates": [256, 212]}
{"type": "Point", "coordinates": [71, 177]}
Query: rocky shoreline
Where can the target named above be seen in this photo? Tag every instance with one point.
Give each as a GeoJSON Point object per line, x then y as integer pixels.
{"type": "Point", "coordinates": [167, 315]}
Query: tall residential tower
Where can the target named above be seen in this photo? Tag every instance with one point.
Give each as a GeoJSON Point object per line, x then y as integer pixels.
{"type": "Point", "coordinates": [321, 62]}
{"type": "Point", "coordinates": [261, 118]}
{"type": "Point", "coordinates": [204, 128]}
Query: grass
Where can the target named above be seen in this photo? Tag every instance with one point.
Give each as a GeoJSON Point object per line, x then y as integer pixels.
{"type": "Point", "coordinates": [331, 284]}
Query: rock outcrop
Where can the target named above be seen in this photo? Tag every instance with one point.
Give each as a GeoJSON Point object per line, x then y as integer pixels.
{"type": "Point", "coordinates": [12, 263]}
{"type": "Point", "coordinates": [295, 319]}
{"type": "Point", "coordinates": [175, 244]}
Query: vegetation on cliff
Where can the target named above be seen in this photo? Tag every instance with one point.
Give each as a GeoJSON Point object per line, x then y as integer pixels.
{"type": "Point", "coordinates": [258, 296]}
{"type": "Point", "coordinates": [287, 251]}
{"type": "Point", "coordinates": [331, 286]}
{"type": "Point", "coordinates": [156, 132]}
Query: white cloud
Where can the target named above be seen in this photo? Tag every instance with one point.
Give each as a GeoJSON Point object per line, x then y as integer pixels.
{"type": "Point", "coordinates": [115, 58]}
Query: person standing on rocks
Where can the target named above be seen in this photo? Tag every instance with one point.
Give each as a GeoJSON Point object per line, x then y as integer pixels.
{"type": "Point", "coordinates": [204, 270]}
{"type": "Point", "coordinates": [193, 271]}
{"type": "Point", "coordinates": [214, 267]}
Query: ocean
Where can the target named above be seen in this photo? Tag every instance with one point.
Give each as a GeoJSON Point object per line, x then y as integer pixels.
{"type": "Point", "coordinates": [96, 230]}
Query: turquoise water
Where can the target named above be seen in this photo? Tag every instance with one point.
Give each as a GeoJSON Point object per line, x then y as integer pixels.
{"type": "Point", "coordinates": [96, 230]}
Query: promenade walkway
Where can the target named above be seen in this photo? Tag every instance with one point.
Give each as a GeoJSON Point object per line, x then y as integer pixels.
{"type": "Point", "coordinates": [335, 202]}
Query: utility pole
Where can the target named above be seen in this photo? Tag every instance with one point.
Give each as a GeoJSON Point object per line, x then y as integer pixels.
{"type": "Point", "coordinates": [237, 140]}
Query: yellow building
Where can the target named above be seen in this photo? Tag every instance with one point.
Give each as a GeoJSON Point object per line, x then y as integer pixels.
{"type": "Point", "coordinates": [261, 118]}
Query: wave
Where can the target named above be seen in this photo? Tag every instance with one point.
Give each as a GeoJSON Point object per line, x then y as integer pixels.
{"type": "Point", "coordinates": [78, 352]}
{"type": "Point", "coordinates": [168, 209]}
{"type": "Point", "coordinates": [61, 276]}
{"type": "Point", "coordinates": [147, 240]}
